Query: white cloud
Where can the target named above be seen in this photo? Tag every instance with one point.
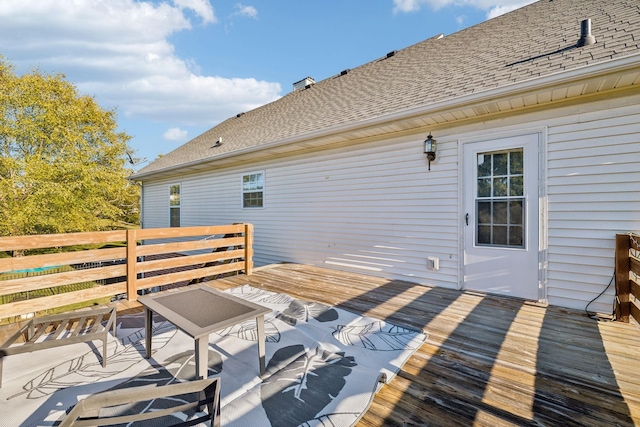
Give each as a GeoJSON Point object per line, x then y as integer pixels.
{"type": "Point", "coordinates": [201, 7]}
{"type": "Point", "coordinates": [414, 5]}
{"type": "Point", "coordinates": [502, 9]}
{"type": "Point", "coordinates": [248, 11]}
{"type": "Point", "coordinates": [492, 7]}
{"type": "Point", "coordinates": [119, 51]}
{"type": "Point", "coordinates": [175, 134]}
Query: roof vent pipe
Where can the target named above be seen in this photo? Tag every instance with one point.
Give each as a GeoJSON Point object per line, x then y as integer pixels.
{"type": "Point", "coordinates": [585, 34]}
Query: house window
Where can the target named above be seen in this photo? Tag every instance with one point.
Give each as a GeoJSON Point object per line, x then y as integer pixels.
{"type": "Point", "coordinates": [174, 205]}
{"type": "Point", "coordinates": [253, 190]}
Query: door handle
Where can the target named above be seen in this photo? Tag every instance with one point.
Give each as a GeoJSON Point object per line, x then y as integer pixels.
{"type": "Point", "coordinates": [466, 219]}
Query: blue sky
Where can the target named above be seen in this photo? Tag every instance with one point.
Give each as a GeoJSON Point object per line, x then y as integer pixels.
{"type": "Point", "coordinates": [173, 69]}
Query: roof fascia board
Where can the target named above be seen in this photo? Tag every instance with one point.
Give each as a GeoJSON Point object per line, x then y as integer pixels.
{"type": "Point", "coordinates": [528, 86]}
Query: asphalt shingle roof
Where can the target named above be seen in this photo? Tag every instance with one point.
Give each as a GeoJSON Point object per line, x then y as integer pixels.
{"type": "Point", "coordinates": [534, 41]}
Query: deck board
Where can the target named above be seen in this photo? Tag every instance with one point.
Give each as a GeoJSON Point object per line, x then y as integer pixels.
{"type": "Point", "coordinates": [488, 361]}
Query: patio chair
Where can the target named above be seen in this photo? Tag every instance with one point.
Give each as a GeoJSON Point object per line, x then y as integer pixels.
{"type": "Point", "coordinates": [119, 406]}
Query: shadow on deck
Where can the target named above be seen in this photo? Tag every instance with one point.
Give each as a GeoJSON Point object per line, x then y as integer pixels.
{"type": "Point", "coordinates": [488, 360]}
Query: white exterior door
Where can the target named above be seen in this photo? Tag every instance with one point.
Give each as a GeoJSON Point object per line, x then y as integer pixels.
{"type": "Point", "coordinates": [501, 216]}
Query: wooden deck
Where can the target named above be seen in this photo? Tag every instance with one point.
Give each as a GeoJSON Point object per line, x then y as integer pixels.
{"type": "Point", "coordinates": [488, 361]}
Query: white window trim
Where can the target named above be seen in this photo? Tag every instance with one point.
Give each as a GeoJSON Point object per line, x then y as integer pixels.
{"type": "Point", "coordinates": [264, 189]}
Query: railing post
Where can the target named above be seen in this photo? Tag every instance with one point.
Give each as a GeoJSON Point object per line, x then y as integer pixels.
{"type": "Point", "coordinates": [248, 249]}
{"type": "Point", "coordinates": [623, 287]}
{"type": "Point", "coordinates": [132, 259]}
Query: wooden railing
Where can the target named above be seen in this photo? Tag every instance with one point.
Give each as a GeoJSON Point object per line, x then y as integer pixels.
{"type": "Point", "coordinates": [627, 277]}
{"type": "Point", "coordinates": [126, 262]}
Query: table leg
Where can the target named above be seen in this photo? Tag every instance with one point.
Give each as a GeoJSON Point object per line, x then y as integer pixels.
{"type": "Point", "coordinates": [261, 344]}
{"type": "Point", "coordinates": [202, 357]}
{"type": "Point", "coordinates": [148, 331]}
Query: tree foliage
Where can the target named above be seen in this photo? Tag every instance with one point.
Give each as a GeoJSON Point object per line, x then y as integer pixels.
{"type": "Point", "coordinates": [62, 162]}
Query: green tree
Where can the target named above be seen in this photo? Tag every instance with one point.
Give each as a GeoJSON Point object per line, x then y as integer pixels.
{"type": "Point", "coordinates": [62, 162]}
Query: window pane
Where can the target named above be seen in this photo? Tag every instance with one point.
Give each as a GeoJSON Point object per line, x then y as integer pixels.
{"type": "Point", "coordinates": [484, 165]}
{"type": "Point", "coordinates": [484, 212]}
{"type": "Point", "coordinates": [484, 187]}
{"type": "Point", "coordinates": [515, 186]}
{"type": "Point", "coordinates": [174, 195]}
{"type": "Point", "coordinates": [515, 212]}
{"type": "Point", "coordinates": [499, 187]}
{"type": "Point", "coordinates": [499, 212]}
{"type": "Point", "coordinates": [500, 235]}
{"type": "Point", "coordinates": [252, 190]}
{"type": "Point", "coordinates": [500, 164]}
{"type": "Point", "coordinates": [252, 200]}
{"type": "Point", "coordinates": [515, 236]}
{"type": "Point", "coordinates": [484, 235]}
{"type": "Point", "coordinates": [515, 162]}
{"type": "Point", "coordinates": [174, 217]}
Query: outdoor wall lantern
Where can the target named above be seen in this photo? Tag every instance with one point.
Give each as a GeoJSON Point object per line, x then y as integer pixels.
{"type": "Point", "coordinates": [430, 149]}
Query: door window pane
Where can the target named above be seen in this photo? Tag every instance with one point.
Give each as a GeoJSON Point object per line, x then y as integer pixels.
{"type": "Point", "coordinates": [500, 213]}
{"type": "Point", "coordinates": [500, 164]}
{"type": "Point", "coordinates": [499, 187]}
{"type": "Point", "coordinates": [515, 162]}
{"type": "Point", "coordinates": [484, 166]}
{"type": "Point", "coordinates": [484, 212]}
{"type": "Point", "coordinates": [516, 187]}
{"type": "Point", "coordinates": [484, 235]}
{"type": "Point", "coordinates": [515, 236]}
{"type": "Point", "coordinates": [499, 235]}
{"type": "Point", "coordinates": [484, 187]}
{"type": "Point", "coordinates": [515, 212]}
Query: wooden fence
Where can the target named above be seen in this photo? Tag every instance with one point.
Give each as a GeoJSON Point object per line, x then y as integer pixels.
{"type": "Point", "coordinates": [127, 261]}
{"type": "Point", "coordinates": [627, 277]}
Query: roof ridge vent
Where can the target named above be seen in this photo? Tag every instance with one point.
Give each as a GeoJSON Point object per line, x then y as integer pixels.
{"type": "Point", "coordinates": [392, 53]}
{"type": "Point", "coordinates": [585, 34]}
{"type": "Point", "coordinates": [304, 83]}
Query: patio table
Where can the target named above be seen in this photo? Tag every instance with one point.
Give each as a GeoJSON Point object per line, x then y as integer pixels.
{"type": "Point", "coordinates": [198, 311]}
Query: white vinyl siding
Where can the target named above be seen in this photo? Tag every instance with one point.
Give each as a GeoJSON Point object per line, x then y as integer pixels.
{"type": "Point", "coordinates": [374, 207]}
{"type": "Point", "coordinates": [593, 193]}
{"type": "Point", "coordinates": [374, 210]}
